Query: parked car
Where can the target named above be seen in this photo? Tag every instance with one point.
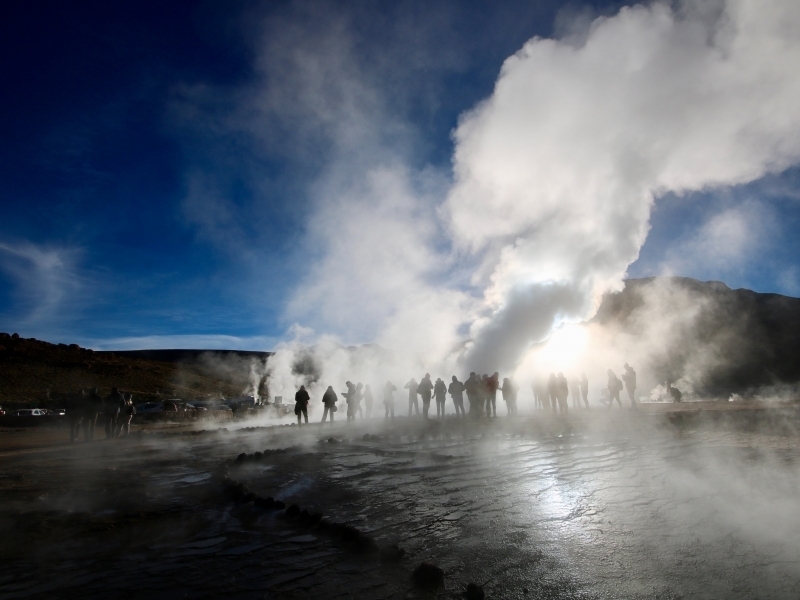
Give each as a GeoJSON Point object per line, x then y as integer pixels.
{"type": "Point", "coordinates": [147, 408]}
{"type": "Point", "coordinates": [59, 412]}
{"type": "Point", "coordinates": [31, 412]}
{"type": "Point", "coordinates": [2, 412]}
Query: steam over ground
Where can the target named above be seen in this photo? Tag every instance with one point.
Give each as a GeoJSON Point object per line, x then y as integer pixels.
{"type": "Point", "coordinates": [554, 178]}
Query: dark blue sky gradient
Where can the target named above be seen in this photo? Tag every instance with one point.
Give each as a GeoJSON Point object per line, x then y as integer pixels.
{"type": "Point", "coordinates": [97, 161]}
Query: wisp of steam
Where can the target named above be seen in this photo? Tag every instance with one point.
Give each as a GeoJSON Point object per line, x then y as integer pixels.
{"type": "Point", "coordinates": [554, 177]}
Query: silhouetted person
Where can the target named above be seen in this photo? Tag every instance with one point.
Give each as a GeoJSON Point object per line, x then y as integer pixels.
{"type": "Point", "coordinates": [456, 390]}
{"type": "Point", "coordinates": [329, 399]}
{"type": "Point", "coordinates": [359, 398]}
{"type": "Point", "coordinates": [440, 393]}
{"type": "Point", "coordinates": [483, 396]}
{"type": "Point", "coordinates": [126, 416]}
{"type": "Point", "coordinates": [350, 397]}
{"type": "Point", "coordinates": [562, 391]}
{"type": "Point", "coordinates": [111, 407]}
{"type": "Point", "coordinates": [614, 388]}
{"type": "Point", "coordinates": [75, 410]}
{"type": "Point", "coordinates": [492, 385]}
{"type": "Point", "coordinates": [368, 399]}
{"type": "Point", "coordinates": [674, 392]}
{"type": "Point", "coordinates": [388, 398]}
{"type": "Point", "coordinates": [411, 386]}
{"type": "Point", "coordinates": [471, 387]}
{"type": "Point", "coordinates": [541, 398]}
{"type": "Point", "coordinates": [425, 389]}
{"type": "Point", "coordinates": [575, 392]}
{"type": "Point", "coordinates": [301, 399]}
{"type": "Point", "coordinates": [629, 377]}
{"type": "Point", "coordinates": [510, 396]}
{"type": "Point", "coordinates": [585, 389]}
{"type": "Point", "coordinates": [552, 392]}
{"type": "Point", "coordinates": [93, 408]}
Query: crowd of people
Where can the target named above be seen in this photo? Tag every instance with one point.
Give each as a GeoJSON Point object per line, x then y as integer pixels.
{"type": "Point", "coordinates": [86, 409]}
{"type": "Point", "coordinates": [551, 394]}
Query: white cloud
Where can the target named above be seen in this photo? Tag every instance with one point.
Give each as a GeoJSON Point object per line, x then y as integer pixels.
{"type": "Point", "coordinates": [47, 282]}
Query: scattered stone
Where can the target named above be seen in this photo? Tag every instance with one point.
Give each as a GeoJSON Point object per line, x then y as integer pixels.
{"type": "Point", "coordinates": [279, 504]}
{"type": "Point", "coordinates": [393, 553]}
{"type": "Point", "coordinates": [474, 592]}
{"type": "Point", "coordinates": [524, 590]}
{"type": "Point", "coordinates": [366, 545]}
{"type": "Point", "coordinates": [349, 534]}
{"type": "Point", "coordinates": [293, 511]}
{"type": "Point", "coordinates": [428, 576]}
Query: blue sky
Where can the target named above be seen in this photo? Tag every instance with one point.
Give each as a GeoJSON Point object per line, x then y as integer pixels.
{"type": "Point", "coordinates": [146, 201]}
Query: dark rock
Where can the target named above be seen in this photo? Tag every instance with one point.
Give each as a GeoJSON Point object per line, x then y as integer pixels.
{"type": "Point", "coordinates": [304, 516]}
{"type": "Point", "coordinates": [332, 441]}
{"type": "Point", "coordinates": [474, 592]}
{"type": "Point", "coordinates": [249, 497]}
{"type": "Point", "coordinates": [366, 545]}
{"type": "Point", "coordinates": [279, 504]}
{"type": "Point", "coordinates": [241, 458]}
{"type": "Point", "coordinates": [269, 502]}
{"type": "Point", "coordinates": [365, 437]}
{"type": "Point", "coordinates": [349, 534]}
{"type": "Point", "coordinates": [258, 456]}
{"type": "Point", "coordinates": [293, 511]}
{"type": "Point", "coordinates": [315, 518]}
{"type": "Point", "coordinates": [428, 576]}
{"type": "Point", "coordinates": [393, 553]}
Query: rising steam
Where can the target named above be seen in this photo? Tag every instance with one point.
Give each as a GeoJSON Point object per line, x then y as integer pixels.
{"type": "Point", "coordinates": [554, 178]}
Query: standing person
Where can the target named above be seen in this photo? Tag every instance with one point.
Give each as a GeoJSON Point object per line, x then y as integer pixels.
{"type": "Point", "coordinates": [585, 389]}
{"type": "Point", "coordinates": [456, 390]}
{"type": "Point", "coordinates": [388, 399]}
{"type": "Point", "coordinates": [368, 399]}
{"type": "Point", "coordinates": [575, 392]}
{"type": "Point", "coordinates": [329, 399]}
{"type": "Point", "coordinates": [92, 409]}
{"type": "Point", "coordinates": [301, 399]}
{"type": "Point", "coordinates": [629, 377]}
{"type": "Point", "coordinates": [614, 388]}
{"type": "Point", "coordinates": [440, 393]}
{"type": "Point", "coordinates": [471, 386]}
{"type": "Point", "coordinates": [411, 386]}
{"type": "Point", "coordinates": [111, 407]}
{"type": "Point", "coordinates": [539, 387]}
{"type": "Point", "coordinates": [126, 416]}
{"type": "Point", "coordinates": [425, 389]}
{"type": "Point", "coordinates": [552, 392]}
{"type": "Point", "coordinates": [351, 398]}
{"type": "Point", "coordinates": [75, 410]}
{"type": "Point", "coordinates": [510, 396]}
{"type": "Point", "coordinates": [359, 398]}
{"type": "Point", "coordinates": [492, 385]}
{"type": "Point", "coordinates": [562, 391]}
{"type": "Point", "coordinates": [483, 395]}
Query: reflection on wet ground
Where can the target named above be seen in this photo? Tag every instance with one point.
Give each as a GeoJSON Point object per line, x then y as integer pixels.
{"type": "Point", "coordinates": [600, 506]}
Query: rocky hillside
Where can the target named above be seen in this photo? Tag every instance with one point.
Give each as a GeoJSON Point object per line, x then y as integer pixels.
{"type": "Point", "coordinates": [727, 340]}
{"type": "Point", "coordinates": [36, 371]}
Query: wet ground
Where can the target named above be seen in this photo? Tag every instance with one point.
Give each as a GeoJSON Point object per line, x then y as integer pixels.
{"type": "Point", "coordinates": [599, 505]}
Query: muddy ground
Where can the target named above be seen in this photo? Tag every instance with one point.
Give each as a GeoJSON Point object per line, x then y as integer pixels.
{"type": "Point", "coordinates": [700, 504]}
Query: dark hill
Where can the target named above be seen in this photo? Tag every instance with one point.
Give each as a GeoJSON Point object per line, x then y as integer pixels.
{"type": "Point", "coordinates": [730, 340]}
